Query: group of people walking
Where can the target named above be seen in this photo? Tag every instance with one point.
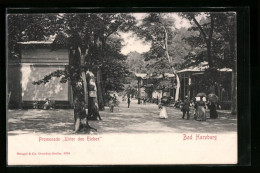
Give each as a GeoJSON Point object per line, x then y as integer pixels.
{"type": "Point", "coordinates": [199, 108]}
{"type": "Point", "coordinates": [199, 103]}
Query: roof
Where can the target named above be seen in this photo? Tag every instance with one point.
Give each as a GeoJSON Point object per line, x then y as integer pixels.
{"type": "Point", "coordinates": [169, 75]}
{"type": "Point", "coordinates": [202, 67]}
{"type": "Point", "coordinates": [145, 76]}
{"type": "Point", "coordinates": [225, 69]}
{"type": "Point", "coordinates": [141, 75]}
{"type": "Point", "coordinates": [48, 40]}
{"type": "Point", "coordinates": [35, 42]}
{"type": "Point", "coordinates": [198, 69]}
{"type": "Point", "coordinates": [192, 69]}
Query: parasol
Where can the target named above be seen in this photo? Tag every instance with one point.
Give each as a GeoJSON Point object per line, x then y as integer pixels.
{"type": "Point", "coordinates": [213, 98]}
{"type": "Point", "coordinates": [201, 95]}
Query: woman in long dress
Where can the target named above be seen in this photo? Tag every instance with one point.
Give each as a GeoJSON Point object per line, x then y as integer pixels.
{"type": "Point", "coordinates": [201, 112]}
{"type": "Point", "coordinates": [163, 113]}
{"type": "Point", "coordinates": [213, 110]}
{"type": "Point", "coordinates": [112, 103]}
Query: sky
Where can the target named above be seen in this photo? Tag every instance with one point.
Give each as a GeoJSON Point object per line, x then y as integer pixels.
{"type": "Point", "coordinates": [132, 43]}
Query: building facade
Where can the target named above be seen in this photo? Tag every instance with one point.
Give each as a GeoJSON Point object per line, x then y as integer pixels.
{"type": "Point", "coordinates": [146, 88]}
{"type": "Point", "coordinates": [37, 60]}
{"type": "Point", "coordinates": [190, 83]}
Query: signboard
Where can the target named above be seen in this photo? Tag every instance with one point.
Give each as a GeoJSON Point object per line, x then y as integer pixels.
{"type": "Point", "coordinates": [92, 93]}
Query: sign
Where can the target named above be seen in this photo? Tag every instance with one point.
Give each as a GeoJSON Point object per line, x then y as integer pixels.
{"type": "Point", "coordinates": [92, 93]}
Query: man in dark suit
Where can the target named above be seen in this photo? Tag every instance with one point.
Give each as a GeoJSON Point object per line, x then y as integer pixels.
{"type": "Point", "coordinates": [186, 108]}
{"type": "Point", "coordinates": [128, 101]}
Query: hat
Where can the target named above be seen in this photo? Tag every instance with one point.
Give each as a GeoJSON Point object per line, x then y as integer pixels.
{"type": "Point", "coordinates": [186, 97]}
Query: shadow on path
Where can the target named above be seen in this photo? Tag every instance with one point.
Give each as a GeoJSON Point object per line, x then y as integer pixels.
{"type": "Point", "coordinates": [136, 119]}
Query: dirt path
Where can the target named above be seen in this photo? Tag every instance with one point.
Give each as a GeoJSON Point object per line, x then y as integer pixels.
{"type": "Point", "coordinates": [136, 119]}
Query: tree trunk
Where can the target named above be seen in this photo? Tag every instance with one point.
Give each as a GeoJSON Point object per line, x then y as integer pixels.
{"type": "Point", "coordinates": [162, 92]}
{"type": "Point", "coordinates": [170, 61]}
{"type": "Point", "coordinates": [234, 92]}
{"type": "Point", "coordinates": [208, 39]}
{"type": "Point", "coordinates": [103, 92]}
{"type": "Point", "coordinates": [232, 33]}
{"type": "Point", "coordinates": [177, 92]}
{"type": "Point", "coordinates": [100, 91]}
{"type": "Point", "coordinates": [209, 54]}
{"type": "Point", "coordinates": [234, 77]}
{"type": "Point", "coordinates": [9, 96]}
{"type": "Point", "coordinates": [102, 88]}
{"type": "Point", "coordinates": [138, 94]}
{"type": "Point", "coordinates": [93, 112]}
{"type": "Point", "coordinates": [80, 116]}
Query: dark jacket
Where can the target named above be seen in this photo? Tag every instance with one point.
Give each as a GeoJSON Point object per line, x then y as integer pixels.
{"type": "Point", "coordinates": [186, 105]}
{"type": "Point", "coordinates": [201, 103]}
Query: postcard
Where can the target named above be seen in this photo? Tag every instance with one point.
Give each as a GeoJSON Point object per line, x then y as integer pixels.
{"type": "Point", "coordinates": [149, 88]}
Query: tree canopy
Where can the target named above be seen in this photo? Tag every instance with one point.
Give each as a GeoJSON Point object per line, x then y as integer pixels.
{"type": "Point", "coordinates": [211, 38]}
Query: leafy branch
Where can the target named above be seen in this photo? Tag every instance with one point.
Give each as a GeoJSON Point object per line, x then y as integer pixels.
{"type": "Point", "coordinates": [58, 73]}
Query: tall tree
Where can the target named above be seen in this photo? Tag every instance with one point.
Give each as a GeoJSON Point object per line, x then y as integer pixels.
{"type": "Point", "coordinates": [218, 34]}
{"type": "Point", "coordinates": [107, 25]}
{"type": "Point", "coordinates": [76, 36]}
{"type": "Point", "coordinates": [114, 69]}
{"type": "Point", "coordinates": [158, 29]}
{"type": "Point", "coordinates": [206, 29]}
{"type": "Point", "coordinates": [79, 33]}
{"type": "Point", "coordinates": [226, 26]}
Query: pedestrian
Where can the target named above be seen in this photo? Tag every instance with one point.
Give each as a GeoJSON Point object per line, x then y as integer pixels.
{"type": "Point", "coordinates": [201, 110]}
{"type": "Point", "coordinates": [114, 96]}
{"type": "Point", "coordinates": [46, 104]}
{"type": "Point", "coordinates": [178, 104]}
{"type": "Point", "coordinates": [195, 107]}
{"type": "Point", "coordinates": [186, 108]}
{"type": "Point", "coordinates": [113, 103]}
{"type": "Point", "coordinates": [212, 110]}
{"type": "Point", "coordinates": [163, 112]}
{"type": "Point", "coordinates": [128, 101]}
{"type": "Point", "coordinates": [144, 101]}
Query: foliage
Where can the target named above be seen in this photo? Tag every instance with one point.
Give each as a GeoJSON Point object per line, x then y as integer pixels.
{"type": "Point", "coordinates": [114, 67]}
{"type": "Point", "coordinates": [151, 31]}
{"type": "Point", "coordinates": [222, 30]}
{"type": "Point", "coordinates": [226, 32]}
{"type": "Point", "coordinates": [210, 43]}
{"type": "Point", "coordinates": [58, 73]}
{"type": "Point", "coordinates": [159, 30]}
{"type": "Point", "coordinates": [25, 27]}
{"type": "Point", "coordinates": [135, 62]}
{"type": "Point", "coordinates": [97, 32]}
{"type": "Point", "coordinates": [161, 82]}
{"type": "Point", "coordinates": [130, 91]}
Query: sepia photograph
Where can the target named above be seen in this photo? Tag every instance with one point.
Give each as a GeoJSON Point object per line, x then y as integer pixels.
{"type": "Point", "coordinates": [140, 88]}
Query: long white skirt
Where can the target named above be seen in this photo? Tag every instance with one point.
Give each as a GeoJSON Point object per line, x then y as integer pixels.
{"type": "Point", "coordinates": [163, 113]}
